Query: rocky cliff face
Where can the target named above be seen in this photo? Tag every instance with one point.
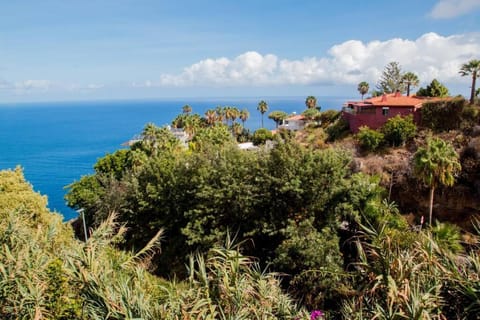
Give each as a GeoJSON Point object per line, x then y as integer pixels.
{"type": "Point", "coordinates": [459, 204]}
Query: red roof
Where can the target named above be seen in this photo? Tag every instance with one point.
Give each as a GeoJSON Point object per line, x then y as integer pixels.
{"type": "Point", "coordinates": [392, 100]}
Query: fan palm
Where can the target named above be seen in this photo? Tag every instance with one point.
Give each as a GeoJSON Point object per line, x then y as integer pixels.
{"type": "Point", "coordinates": [471, 68]}
{"type": "Point", "coordinates": [436, 164]}
{"type": "Point", "coordinates": [363, 88]}
{"type": "Point", "coordinates": [262, 107]}
{"type": "Point", "coordinates": [411, 80]}
{"type": "Point", "coordinates": [244, 115]}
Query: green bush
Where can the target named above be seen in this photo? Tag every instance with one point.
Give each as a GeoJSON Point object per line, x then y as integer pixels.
{"type": "Point", "coordinates": [338, 129]}
{"type": "Point", "coordinates": [369, 140]}
{"type": "Point", "coordinates": [261, 136]}
{"type": "Point", "coordinates": [398, 130]}
{"type": "Point", "coordinates": [444, 115]}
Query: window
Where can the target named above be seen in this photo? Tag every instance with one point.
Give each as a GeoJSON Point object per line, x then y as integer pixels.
{"type": "Point", "coordinates": [385, 111]}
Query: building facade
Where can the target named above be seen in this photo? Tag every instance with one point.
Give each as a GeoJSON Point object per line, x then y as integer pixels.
{"type": "Point", "coordinates": [374, 112]}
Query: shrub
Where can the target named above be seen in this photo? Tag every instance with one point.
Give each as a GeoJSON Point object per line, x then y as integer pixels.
{"type": "Point", "coordinates": [398, 130]}
{"type": "Point", "coordinates": [369, 139]}
{"type": "Point", "coordinates": [329, 116]}
{"type": "Point", "coordinates": [443, 115]}
{"type": "Point", "coordinates": [339, 129]}
{"type": "Point", "coordinates": [261, 136]}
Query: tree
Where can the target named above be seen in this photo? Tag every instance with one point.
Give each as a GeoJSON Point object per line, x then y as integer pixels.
{"type": "Point", "coordinates": [262, 107]}
{"type": "Point", "coordinates": [434, 89]}
{"type": "Point", "coordinates": [411, 80]}
{"type": "Point", "coordinates": [363, 88]}
{"type": "Point", "coordinates": [436, 164]}
{"type": "Point", "coordinates": [391, 79]}
{"type": "Point", "coordinates": [471, 68]}
{"type": "Point", "coordinates": [186, 109]}
{"type": "Point", "coordinates": [311, 103]}
{"type": "Point", "coordinates": [231, 113]}
{"type": "Point", "coordinates": [311, 114]}
{"type": "Point", "coordinates": [210, 116]}
{"type": "Point", "coordinates": [244, 115]}
{"type": "Point", "coordinates": [277, 116]}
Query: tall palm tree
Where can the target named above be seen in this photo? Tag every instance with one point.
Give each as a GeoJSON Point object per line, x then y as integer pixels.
{"type": "Point", "coordinates": [471, 68]}
{"type": "Point", "coordinates": [244, 115]}
{"type": "Point", "coordinates": [220, 113]}
{"type": "Point", "coordinates": [411, 80]}
{"type": "Point", "coordinates": [262, 107]}
{"type": "Point", "coordinates": [363, 88]}
{"type": "Point", "coordinates": [311, 102]}
{"type": "Point", "coordinates": [436, 164]}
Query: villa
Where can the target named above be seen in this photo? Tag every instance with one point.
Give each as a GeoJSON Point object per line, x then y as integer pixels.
{"type": "Point", "coordinates": [294, 123]}
{"type": "Point", "coordinates": [374, 112]}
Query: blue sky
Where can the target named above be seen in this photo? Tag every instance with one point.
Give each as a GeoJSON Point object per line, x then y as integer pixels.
{"type": "Point", "coordinates": [125, 49]}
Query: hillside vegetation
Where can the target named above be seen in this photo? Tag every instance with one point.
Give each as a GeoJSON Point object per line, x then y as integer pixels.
{"type": "Point", "coordinates": [317, 220]}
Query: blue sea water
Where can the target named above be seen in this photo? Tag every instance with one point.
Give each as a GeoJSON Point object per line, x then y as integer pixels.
{"type": "Point", "coordinates": [57, 143]}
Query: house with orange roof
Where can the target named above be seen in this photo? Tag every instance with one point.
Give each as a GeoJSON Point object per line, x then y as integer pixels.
{"type": "Point", "coordinates": [374, 112]}
{"type": "Point", "coordinates": [294, 122]}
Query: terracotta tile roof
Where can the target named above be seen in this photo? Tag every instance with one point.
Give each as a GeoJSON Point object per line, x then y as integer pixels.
{"type": "Point", "coordinates": [296, 117]}
{"type": "Point", "coordinates": [395, 101]}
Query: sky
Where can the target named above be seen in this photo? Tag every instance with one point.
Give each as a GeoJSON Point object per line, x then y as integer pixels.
{"type": "Point", "coordinates": [55, 50]}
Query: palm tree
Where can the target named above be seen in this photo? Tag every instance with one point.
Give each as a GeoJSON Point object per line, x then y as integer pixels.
{"type": "Point", "coordinates": [411, 80]}
{"type": "Point", "coordinates": [210, 116]}
{"type": "Point", "coordinates": [186, 109]}
{"type": "Point", "coordinates": [471, 68]}
{"type": "Point", "coordinates": [363, 88]}
{"type": "Point", "coordinates": [436, 164]}
{"type": "Point", "coordinates": [231, 113]}
{"type": "Point", "coordinates": [262, 107]}
{"type": "Point", "coordinates": [220, 113]}
{"type": "Point", "coordinates": [244, 115]}
{"type": "Point", "coordinates": [311, 102]}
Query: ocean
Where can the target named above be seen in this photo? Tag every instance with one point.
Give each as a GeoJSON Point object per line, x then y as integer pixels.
{"type": "Point", "coordinates": [57, 143]}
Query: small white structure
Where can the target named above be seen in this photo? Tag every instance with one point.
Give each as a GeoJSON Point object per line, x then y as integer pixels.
{"type": "Point", "coordinates": [294, 123]}
{"type": "Point", "coordinates": [247, 146]}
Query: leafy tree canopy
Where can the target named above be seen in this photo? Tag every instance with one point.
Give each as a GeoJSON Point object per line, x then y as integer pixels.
{"type": "Point", "coordinates": [434, 89]}
{"type": "Point", "coordinates": [391, 79]}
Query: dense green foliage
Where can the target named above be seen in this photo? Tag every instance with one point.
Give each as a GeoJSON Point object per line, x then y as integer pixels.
{"type": "Point", "coordinates": [277, 116]}
{"type": "Point", "coordinates": [338, 129]}
{"type": "Point", "coordinates": [398, 130]}
{"type": "Point", "coordinates": [368, 139]}
{"type": "Point", "coordinates": [260, 136]}
{"type": "Point", "coordinates": [434, 89]}
{"type": "Point", "coordinates": [434, 114]}
{"type": "Point", "coordinates": [46, 274]}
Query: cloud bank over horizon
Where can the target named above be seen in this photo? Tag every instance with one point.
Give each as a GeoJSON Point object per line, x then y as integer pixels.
{"type": "Point", "coordinates": [430, 56]}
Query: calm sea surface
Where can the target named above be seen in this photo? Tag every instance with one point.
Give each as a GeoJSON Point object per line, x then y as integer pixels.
{"type": "Point", "coordinates": [57, 143]}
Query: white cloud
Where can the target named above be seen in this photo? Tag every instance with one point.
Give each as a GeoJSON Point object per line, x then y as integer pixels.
{"type": "Point", "coordinates": [430, 56]}
{"type": "Point", "coordinates": [445, 9]}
